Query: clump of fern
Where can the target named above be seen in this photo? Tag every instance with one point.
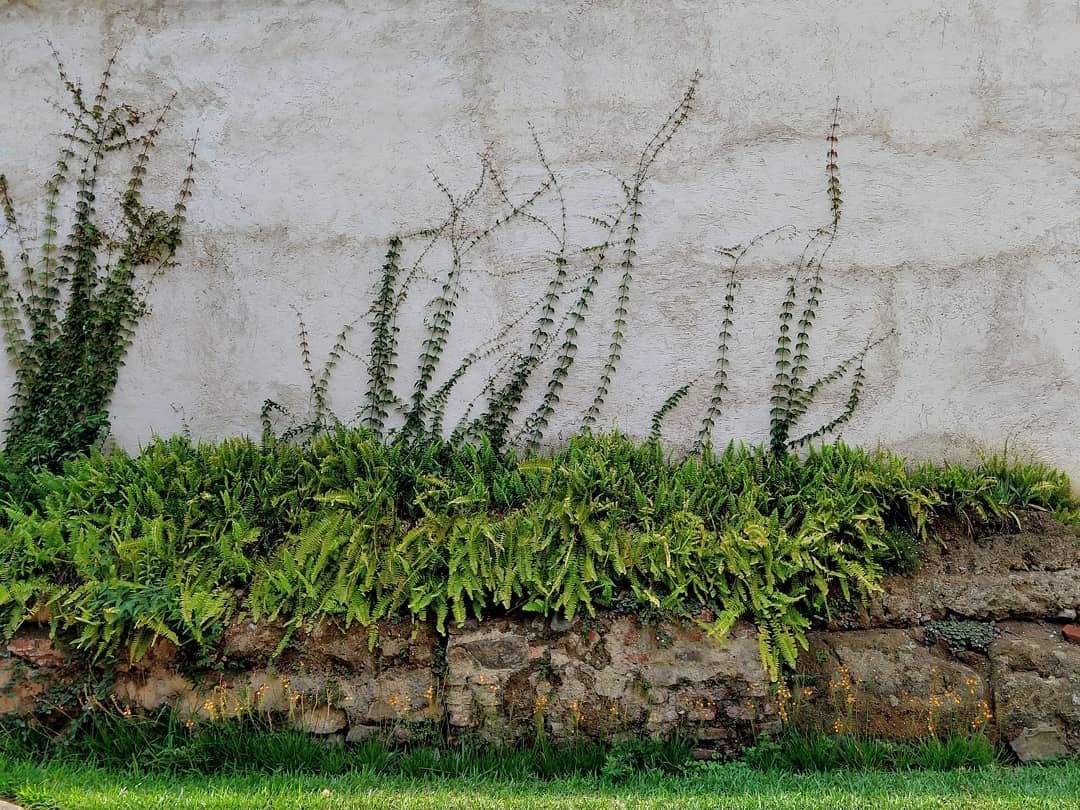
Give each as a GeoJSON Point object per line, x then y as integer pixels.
{"type": "Point", "coordinates": [69, 307]}
{"type": "Point", "coordinates": [179, 540]}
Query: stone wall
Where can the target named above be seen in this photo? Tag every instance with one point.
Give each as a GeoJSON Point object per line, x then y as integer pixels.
{"type": "Point", "coordinates": [318, 121]}
{"type": "Point", "coordinates": [503, 679]}
{"type": "Point", "coordinates": [974, 641]}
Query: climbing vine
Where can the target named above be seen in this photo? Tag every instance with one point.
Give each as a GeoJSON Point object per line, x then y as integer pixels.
{"type": "Point", "coordinates": [414, 257]}
{"type": "Point", "coordinates": [69, 307]}
{"type": "Point", "coordinates": [632, 211]}
{"type": "Point", "coordinates": [791, 397]}
{"type": "Point", "coordinates": [504, 403]}
{"type": "Point", "coordinates": [526, 371]}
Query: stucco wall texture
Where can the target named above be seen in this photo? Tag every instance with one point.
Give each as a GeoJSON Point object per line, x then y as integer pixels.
{"type": "Point", "coordinates": [318, 122]}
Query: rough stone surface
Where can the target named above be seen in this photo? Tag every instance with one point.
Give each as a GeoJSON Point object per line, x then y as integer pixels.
{"type": "Point", "coordinates": [352, 676]}
{"type": "Point", "coordinates": [612, 675]}
{"type": "Point", "coordinates": [1033, 573]}
{"type": "Point", "coordinates": [605, 678]}
{"type": "Point", "coordinates": [1041, 742]}
{"type": "Point", "coordinates": [252, 642]}
{"type": "Point", "coordinates": [161, 656]}
{"type": "Point", "coordinates": [18, 687]}
{"type": "Point", "coordinates": [150, 690]}
{"type": "Point", "coordinates": [358, 734]}
{"type": "Point", "coordinates": [323, 719]}
{"type": "Point", "coordinates": [889, 683]}
{"type": "Point", "coordinates": [35, 647]}
{"type": "Point", "coordinates": [318, 123]}
{"type": "Point", "coordinates": [356, 649]}
{"type": "Point", "coordinates": [1036, 684]}
{"type": "Point", "coordinates": [402, 694]}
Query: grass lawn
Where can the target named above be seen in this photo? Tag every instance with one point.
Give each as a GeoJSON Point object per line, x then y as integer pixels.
{"type": "Point", "coordinates": [58, 785]}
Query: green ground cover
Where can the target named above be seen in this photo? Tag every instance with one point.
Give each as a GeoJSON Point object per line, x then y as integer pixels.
{"type": "Point", "coordinates": [177, 541]}
{"type": "Point", "coordinates": [139, 762]}
{"type": "Point", "coordinates": [733, 785]}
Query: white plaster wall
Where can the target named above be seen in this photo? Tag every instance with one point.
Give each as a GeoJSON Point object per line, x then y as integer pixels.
{"type": "Point", "coordinates": [317, 121]}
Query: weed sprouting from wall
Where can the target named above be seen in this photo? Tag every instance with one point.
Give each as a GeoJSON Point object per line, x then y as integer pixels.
{"type": "Point", "coordinates": [69, 308]}
{"type": "Point", "coordinates": [320, 417]}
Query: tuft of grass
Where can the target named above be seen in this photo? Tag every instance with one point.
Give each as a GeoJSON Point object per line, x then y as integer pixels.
{"type": "Point", "coordinates": [732, 786]}
{"type": "Point", "coordinates": [810, 752]}
{"type": "Point", "coordinates": [1030, 485]}
{"type": "Point", "coordinates": [162, 743]}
